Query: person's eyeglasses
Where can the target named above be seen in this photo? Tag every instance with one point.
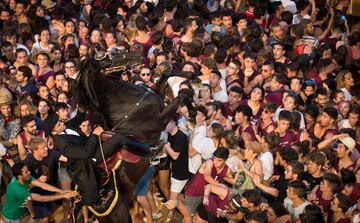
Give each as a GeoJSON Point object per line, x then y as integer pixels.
{"type": "Point", "coordinates": [70, 67]}
{"type": "Point", "coordinates": [145, 74]}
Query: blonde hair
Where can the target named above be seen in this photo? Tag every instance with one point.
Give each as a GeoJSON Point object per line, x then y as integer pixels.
{"type": "Point", "coordinates": [340, 78]}
{"type": "Point", "coordinates": [35, 142]}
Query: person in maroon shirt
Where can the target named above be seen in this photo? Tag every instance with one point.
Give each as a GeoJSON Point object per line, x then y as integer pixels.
{"type": "Point", "coordinates": [339, 207]}
{"type": "Point", "coordinates": [282, 129]}
{"type": "Point", "coordinates": [326, 128]}
{"type": "Point", "coordinates": [322, 195]}
{"type": "Point", "coordinates": [266, 123]}
{"type": "Point", "coordinates": [245, 130]}
{"type": "Point", "coordinates": [235, 94]}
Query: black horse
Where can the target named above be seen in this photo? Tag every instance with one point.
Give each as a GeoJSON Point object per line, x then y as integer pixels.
{"type": "Point", "coordinates": [131, 110]}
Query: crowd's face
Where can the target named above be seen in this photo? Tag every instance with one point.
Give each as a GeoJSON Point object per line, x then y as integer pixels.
{"type": "Point", "coordinates": [239, 118]}
{"type": "Point", "coordinates": [145, 75]}
{"type": "Point", "coordinates": [266, 114]}
{"type": "Point", "coordinates": [200, 117]}
{"type": "Point", "coordinates": [353, 119]}
{"type": "Point", "coordinates": [309, 90]}
{"type": "Point", "coordinates": [4, 15]}
{"type": "Point", "coordinates": [85, 127]}
{"type": "Point", "coordinates": [19, 77]}
{"type": "Point", "coordinates": [120, 26]}
{"type": "Point", "coordinates": [59, 127]}
{"type": "Point", "coordinates": [256, 94]}
{"type": "Point", "coordinates": [348, 80]}
{"type": "Point", "coordinates": [69, 27]}
{"type": "Point", "coordinates": [43, 107]}
{"type": "Point", "coordinates": [289, 103]}
{"type": "Point", "coordinates": [40, 11]}
{"type": "Point", "coordinates": [30, 127]}
{"type": "Point", "coordinates": [188, 68]}
{"type": "Point", "coordinates": [45, 36]}
{"type": "Point", "coordinates": [278, 32]}
{"type": "Point", "coordinates": [227, 22]}
{"type": "Point", "coordinates": [274, 85]}
{"type": "Point", "coordinates": [326, 120]}
{"type": "Point", "coordinates": [21, 58]}
{"type": "Point", "coordinates": [25, 173]}
{"type": "Point", "coordinates": [8, 52]}
{"type": "Point", "coordinates": [216, 21]}
{"type": "Point", "coordinates": [339, 97]}
{"type": "Point", "coordinates": [283, 125]}
{"type": "Point", "coordinates": [266, 71]}
{"type": "Point", "coordinates": [110, 39]}
{"type": "Point", "coordinates": [205, 70]}
{"type": "Point", "coordinates": [289, 174]}
{"type": "Point", "coordinates": [249, 63]}
{"type": "Point", "coordinates": [19, 9]}
{"type": "Point", "coordinates": [242, 24]}
{"type": "Point", "coordinates": [25, 110]}
{"type": "Point", "coordinates": [62, 98]}
{"type": "Point", "coordinates": [322, 100]}
{"type": "Point", "coordinates": [70, 68]}
{"type": "Point", "coordinates": [43, 92]}
{"type": "Point", "coordinates": [6, 110]}
{"type": "Point", "coordinates": [234, 97]}
{"type": "Point", "coordinates": [278, 52]}
{"type": "Point", "coordinates": [295, 85]}
{"type": "Point", "coordinates": [312, 167]}
{"type": "Point", "coordinates": [95, 36]}
{"type": "Point", "coordinates": [57, 55]}
{"type": "Point", "coordinates": [83, 32]}
{"type": "Point", "coordinates": [83, 51]}
{"type": "Point", "coordinates": [205, 92]}
{"type": "Point", "coordinates": [59, 81]}
{"type": "Point", "coordinates": [214, 80]}
{"type": "Point", "coordinates": [335, 205]}
{"type": "Point", "coordinates": [42, 150]}
{"type": "Point", "coordinates": [42, 60]}
{"type": "Point", "coordinates": [232, 69]}
{"type": "Point", "coordinates": [218, 163]}
{"type": "Point", "coordinates": [341, 150]}
{"type": "Point", "coordinates": [63, 114]}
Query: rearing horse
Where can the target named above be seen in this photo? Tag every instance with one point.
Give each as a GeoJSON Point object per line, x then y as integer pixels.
{"type": "Point", "coordinates": [128, 109]}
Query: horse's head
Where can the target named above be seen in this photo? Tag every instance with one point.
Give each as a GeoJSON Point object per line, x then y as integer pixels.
{"type": "Point", "coordinates": [116, 60]}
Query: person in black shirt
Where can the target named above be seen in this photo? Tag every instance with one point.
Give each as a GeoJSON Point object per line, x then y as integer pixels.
{"type": "Point", "coordinates": [177, 149]}
{"type": "Point", "coordinates": [43, 165]}
{"type": "Point", "coordinates": [313, 175]}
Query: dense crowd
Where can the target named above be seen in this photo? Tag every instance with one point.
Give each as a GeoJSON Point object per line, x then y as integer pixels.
{"type": "Point", "coordinates": [276, 136]}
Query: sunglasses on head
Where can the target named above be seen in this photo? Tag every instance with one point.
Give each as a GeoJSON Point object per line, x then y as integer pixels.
{"type": "Point", "coordinates": [310, 82]}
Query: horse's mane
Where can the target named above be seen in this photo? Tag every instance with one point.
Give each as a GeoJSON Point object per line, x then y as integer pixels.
{"type": "Point", "coordinates": [88, 68]}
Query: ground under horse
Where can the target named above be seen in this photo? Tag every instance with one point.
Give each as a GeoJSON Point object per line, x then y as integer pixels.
{"type": "Point", "coordinates": [129, 109]}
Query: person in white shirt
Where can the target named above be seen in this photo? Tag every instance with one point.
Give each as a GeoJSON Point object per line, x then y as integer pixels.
{"type": "Point", "coordinates": [219, 93]}
{"type": "Point", "coordinates": [295, 202]}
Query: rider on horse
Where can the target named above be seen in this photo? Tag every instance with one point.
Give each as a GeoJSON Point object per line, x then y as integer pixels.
{"type": "Point", "coordinates": [84, 153]}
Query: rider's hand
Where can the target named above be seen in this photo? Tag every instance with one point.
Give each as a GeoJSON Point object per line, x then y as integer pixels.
{"type": "Point", "coordinates": [98, 130]}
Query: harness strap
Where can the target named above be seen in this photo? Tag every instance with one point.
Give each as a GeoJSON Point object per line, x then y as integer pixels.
{"type": "Point", "coordinates": [104, 161]}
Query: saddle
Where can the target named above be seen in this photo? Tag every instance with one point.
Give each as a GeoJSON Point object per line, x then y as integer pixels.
{"type": "Point", "coordinates": [120, 154]}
